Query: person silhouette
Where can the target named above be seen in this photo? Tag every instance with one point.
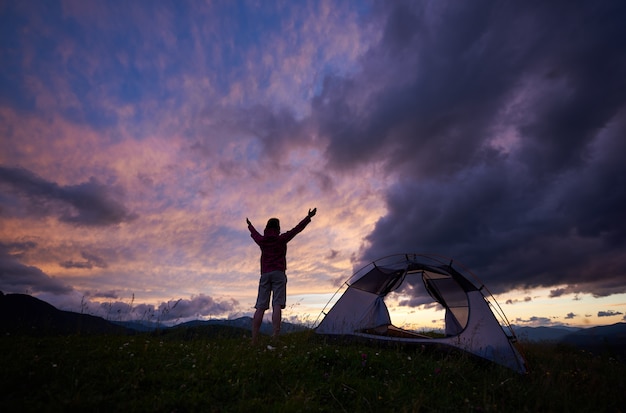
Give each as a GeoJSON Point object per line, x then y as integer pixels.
{"type": "Point", "coordinates": [273, 279]}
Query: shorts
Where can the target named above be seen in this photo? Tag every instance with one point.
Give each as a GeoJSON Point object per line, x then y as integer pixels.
{"type": "Point", "coordinates": [274, 282]}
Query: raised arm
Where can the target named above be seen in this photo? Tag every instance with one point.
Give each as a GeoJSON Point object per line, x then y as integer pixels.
{"type": "Point", "coordinates": [253, 232]}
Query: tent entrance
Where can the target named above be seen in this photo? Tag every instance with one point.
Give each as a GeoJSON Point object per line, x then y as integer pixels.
{"type": "Point", "coordinates": [471, 317]}
{"type": "Point", "coordinates": [450, 294]}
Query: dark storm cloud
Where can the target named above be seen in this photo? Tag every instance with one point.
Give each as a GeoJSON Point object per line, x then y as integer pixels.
{"type": "Point", "coordinates": [515, 301]}
{"type": "Point", "coordinates": [266, 135]}
{"type": "Point", "coordinates": [275, 129]}
{"type": "Point", "coordinates": [558, 292]}
{"type": "Point", "coordinates": [17, 249]}
{"type": "Point", "coordinates": [170, 311]}
{"type": "Point", "coordinates": [15, 277]}
{"type": "Point", "coordinates": [534, 320]}
{"type": "Point", "coordinates": [504, 126]}
{"type": "Point", "coordinates": [441, 82]}
{"type": "Point", "coordinates": [609, 313]}
{"type": "Point", "coordinates": [173, 310]}
{"type": "Point", "coordinates": [90, 261]}
{"type": "Point", "coordinates": [102, 294]}
{"type": "Point", "coordinates": [201, 305]}
{"type": "Point", "coordinates": [88, 204]}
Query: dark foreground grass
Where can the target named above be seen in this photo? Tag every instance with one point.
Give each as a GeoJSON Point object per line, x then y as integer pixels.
{"type": "Point", "coordinates": [161, 373]}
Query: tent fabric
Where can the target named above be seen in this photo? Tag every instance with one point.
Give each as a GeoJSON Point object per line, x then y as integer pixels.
{"type": "Point", "coordinates": [470, 323]}
{"type": "Point", "coordinates": [357, 310]}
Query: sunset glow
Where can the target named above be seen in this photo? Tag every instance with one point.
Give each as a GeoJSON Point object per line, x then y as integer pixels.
{"type": "Point", "coordinates": [137, 137]}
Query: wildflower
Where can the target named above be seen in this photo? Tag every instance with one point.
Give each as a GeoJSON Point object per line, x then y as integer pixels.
{"type": "Point", "coordinates": [363, 359]}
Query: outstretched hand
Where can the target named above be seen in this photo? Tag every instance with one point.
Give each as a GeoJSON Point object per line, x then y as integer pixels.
{"type": "Point", "coordinates": [312, 212]}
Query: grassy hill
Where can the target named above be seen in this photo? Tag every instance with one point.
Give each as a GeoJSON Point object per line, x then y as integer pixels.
{"type": "Point", "coordinates": [609, 339]}
{"type": "Point", "coordinates": [216, 370]}
{"type": "Point", "coordinates": [53, 361]}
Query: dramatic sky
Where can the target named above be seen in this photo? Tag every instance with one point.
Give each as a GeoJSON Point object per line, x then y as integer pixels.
{"type": "Point", "coordinates": [136, 137]}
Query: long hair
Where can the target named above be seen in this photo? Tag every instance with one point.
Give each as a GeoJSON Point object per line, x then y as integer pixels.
{"type": "Point", "coordinates": [273, 223]}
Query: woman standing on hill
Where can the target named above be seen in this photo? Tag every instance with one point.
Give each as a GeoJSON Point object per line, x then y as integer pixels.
{"type": "Point", "coordinates": [273, 280]}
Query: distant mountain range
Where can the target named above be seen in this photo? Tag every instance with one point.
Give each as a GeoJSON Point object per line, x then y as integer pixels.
{"type": "Point", "coordinates": [242, 323]}
{"type": "Point", "coordinates": [600, 339]}
{"type": "Point", "coordinates": [24, 314]}
{"type": "Point", "coordinates": [555, 333]}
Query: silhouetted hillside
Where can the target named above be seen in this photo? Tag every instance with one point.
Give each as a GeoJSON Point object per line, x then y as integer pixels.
{"type": "Point", "coordinates": [24, 314]}
{"type": "Point", "coordinates": [555, 334]}
{"type": "Point", "coordinates": [602, 339]}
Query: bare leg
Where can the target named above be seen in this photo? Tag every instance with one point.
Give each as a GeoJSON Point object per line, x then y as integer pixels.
{"type": "Point", "coordinates": [256, 324]}
{"type": "Point", "coordinates": [276, 318]}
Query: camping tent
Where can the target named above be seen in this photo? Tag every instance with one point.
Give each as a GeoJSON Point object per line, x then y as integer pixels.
{"type": "Point", "coordinates": [470, 322]}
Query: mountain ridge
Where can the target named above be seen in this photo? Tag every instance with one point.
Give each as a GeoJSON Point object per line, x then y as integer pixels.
{"type": "Point", "coordinates": [25, 314]}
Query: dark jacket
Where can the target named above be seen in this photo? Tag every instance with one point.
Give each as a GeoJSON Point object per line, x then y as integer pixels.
{"type": "Point", "coordinates": [274, 245]}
